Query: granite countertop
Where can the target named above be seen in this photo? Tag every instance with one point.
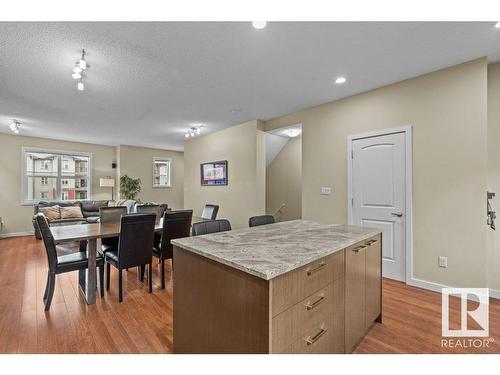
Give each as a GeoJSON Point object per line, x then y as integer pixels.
{"type": "Point", "coordinates": [271, 250]}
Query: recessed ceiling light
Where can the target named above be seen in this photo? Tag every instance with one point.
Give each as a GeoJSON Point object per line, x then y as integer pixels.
{"type": "Point", "coordinates": [292, 133]}
{"type": "Point", "coordinates": [259, 24]}
{"type": "Point", "coordinates": [340, 80]}
{"type": "Point", "coordinates": [497, 25]}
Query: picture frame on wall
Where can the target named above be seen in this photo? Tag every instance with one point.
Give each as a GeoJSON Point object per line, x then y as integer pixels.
{"type": "Point", "coordinates": [214, 173]}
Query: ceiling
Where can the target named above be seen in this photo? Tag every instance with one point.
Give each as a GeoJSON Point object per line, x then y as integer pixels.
{"type": "Point", "coordinates": [150, 82]}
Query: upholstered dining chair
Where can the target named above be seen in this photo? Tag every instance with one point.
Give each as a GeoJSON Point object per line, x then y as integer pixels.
{"type": "Point", "coordinates": [210, 212]}
{"type": "Point", "coordinates": [176, 224]}
{"type": "Point", "coordinates": [135, 248]}
{"type": "Point", "coordinates": [62, 264]}
{"type": "Point", "coordinates": [156, 209]}
{"type": "Point", "coordinates": [107, 215]}
{"type": "Point", "coordinates": [255, 221]}
{"type": "Point", "coordinates": [210, 226]}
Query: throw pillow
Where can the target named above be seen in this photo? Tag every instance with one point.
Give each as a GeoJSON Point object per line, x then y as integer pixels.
{"type": "Point", "coordinates": [71, 212]}
{"type": "Point", "coordinates": [51, 212]}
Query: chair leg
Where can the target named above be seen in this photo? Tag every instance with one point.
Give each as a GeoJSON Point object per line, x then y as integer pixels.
{"type": "Point", "coordinates": [50, 292]}
{"type": "Point", "coordinates": [162, 268]}
{"type": "Point", "coordinates": [150, 277]}
{"type": "Point", "coordinates": [101, 280]}
{"type": "Point", "coordinates": [46, 286]}
{"type": "Point", "coordinates": [120, 286]}
{"type": "Point", "coordinates": [141, 270]}
{"type": "Point", "coordinates": [108, 274]}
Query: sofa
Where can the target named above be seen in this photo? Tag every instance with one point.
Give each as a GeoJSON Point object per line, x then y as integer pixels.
{"type": "Point", "coordinates": [89, 209]}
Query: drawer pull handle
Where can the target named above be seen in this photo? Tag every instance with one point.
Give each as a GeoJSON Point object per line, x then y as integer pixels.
{"type": "Point", "coordinates": [359, 248]}
{"type": "Point", "coordinates": [320, 266]}
{"type": "Point", "coordinates": [371, 242]}
{"type": "Point", "coordinates": [310, 306]}
{"type": "Point", "coordinates": [311, 340]}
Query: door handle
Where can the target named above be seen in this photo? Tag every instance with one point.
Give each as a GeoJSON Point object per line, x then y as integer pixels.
{"type": "Point", "coordinates": [398, 214]}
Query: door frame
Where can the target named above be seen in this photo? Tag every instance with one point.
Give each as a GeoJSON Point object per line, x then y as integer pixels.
{"type": "Point", "coordinates": [407, 130]}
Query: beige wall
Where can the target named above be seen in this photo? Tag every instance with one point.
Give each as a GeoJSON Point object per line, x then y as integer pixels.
{"type": "Point", "coordinates": [244, 149]}
{"type": "Point", "coordinates": [16, 217]}
{"type": "Point", "coordinates": [447, 110]}
{"type": "Point", "coordinates": [494, 171]}
{"type": "Point", "coordinates": [284, 181]}
{"type": "Point", "coordinates": [137, 162]}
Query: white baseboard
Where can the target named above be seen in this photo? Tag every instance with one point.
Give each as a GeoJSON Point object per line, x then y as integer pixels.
{"type": "Point", "coordinates": [435, 287]}
{"type": "Point", "coordinates": [16, 234]}
{"type": "Point", "coordinates": [494, 293]}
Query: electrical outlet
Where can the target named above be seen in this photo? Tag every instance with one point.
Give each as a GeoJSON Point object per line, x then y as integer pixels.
{"type": "Point", "coordinates": [443, 262]}
{"type": "Point", "coordinates": [326, 190]}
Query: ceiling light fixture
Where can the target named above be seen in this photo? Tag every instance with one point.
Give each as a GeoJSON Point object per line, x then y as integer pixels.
{"type": "Point", "coordinates": [259, 24]}
{"type": "Point", "coordinates": [194, 131]}
{"type": "Point", "coordinates": [340, 80]}
{"type": "Point", "coordinates": [497, 25]}
{"type": "Point", "coordinates": [292, 133]}
{"type": "Point", "coordinates": [79, 70]}
{"type": "Point", "coordinates": [15, 126]}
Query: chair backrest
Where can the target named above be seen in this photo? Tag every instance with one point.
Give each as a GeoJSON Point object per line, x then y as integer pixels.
{"type": "Point", "coordinates": [210, 212]}
{"type": "Point", "coordinates": [48, 240]}
{"type": "Point", "coordinates": [111, 214]}
{"type": "Point", "coordinates": [210, 226]}
{"type": "Point", "coordinates": [176, 224]}
{"type": "Point", "coordinates": [149, 209]}
{"type": "Point", "coordinates": [255, 221]}
{"type": "Point", "coordinates": [135, 246]}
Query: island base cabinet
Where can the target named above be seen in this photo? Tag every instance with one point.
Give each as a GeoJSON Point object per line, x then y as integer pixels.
{"type": "Point", "coordinates": [325, 306]}
{"type": "Point", "coordinates": [363, 288]}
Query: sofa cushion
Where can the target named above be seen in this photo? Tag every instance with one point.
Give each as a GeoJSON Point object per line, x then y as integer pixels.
{"type": "Point", "coordinates": [51, 212]}
{"type": "Point", "coordinates": [91, 207]}
{"type": "Point", "coordinates": [71, 212]}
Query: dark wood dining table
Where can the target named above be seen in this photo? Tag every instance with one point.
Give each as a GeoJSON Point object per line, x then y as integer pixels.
{"type": "Point", "coordinates": [87, 279]}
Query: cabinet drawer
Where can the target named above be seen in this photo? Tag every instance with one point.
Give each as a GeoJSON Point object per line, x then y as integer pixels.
{"type": "Point", "coordinates": [294, 286]}
{"type": "Point", "coordinates": [301, 318]}
{"type": "Point", "coordinates": [326, 337]}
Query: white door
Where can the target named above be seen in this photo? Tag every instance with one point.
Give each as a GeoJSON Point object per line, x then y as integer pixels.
{"type": "Point", "coordinates": [378, 195]}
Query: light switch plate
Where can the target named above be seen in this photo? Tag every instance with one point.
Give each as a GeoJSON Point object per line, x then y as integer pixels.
{"type": "Point", "coordinates": [443, 262]}
{"type": "Point", "coordinates": [326, 190]}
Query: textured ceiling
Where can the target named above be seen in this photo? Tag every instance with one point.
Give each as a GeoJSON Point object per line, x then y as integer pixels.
{"type": "Point", "coordinates": [149, 82]}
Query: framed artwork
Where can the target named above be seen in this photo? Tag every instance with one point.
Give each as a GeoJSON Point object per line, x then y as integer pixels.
{"type": "Point", "coordinates": [214, 173]}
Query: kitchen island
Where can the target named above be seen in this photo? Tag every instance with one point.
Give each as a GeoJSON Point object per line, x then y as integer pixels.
{"type": "Point", "coordinates": [290, 287]}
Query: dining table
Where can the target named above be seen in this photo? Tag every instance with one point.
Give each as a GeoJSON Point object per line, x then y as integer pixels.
{"type": "Point", "coordinates": [87, 279]}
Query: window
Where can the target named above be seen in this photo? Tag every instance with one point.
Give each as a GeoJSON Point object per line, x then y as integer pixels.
{"type": "Point", "coordinates": [55, 175]}
{"type": "Point", "coordinates": [162, 169]}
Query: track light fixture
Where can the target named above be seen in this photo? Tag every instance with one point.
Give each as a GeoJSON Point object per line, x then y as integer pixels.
{"type": "Point", "coordinates": [79, 70]}
{"type": "Point", "coordinates": [193, 132]}
{"type": "Point", "coordinates": [14, 126]}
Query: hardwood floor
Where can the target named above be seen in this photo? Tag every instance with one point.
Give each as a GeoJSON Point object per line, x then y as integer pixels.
{"type": "Point", "coordinates": [143, 322]}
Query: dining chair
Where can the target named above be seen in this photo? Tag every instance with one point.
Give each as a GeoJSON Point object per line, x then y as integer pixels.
{"type": "Point", "coordinates": [63, 263]}
{"type": "Point", "coordinates": [210, 212]}
{"type": "Point", "coordinates": [156, 209]}
{"type": "Point", "coordinates": [135, 248]}
{"type": "Point", "coordinates": [108, 215]}
{"type": "Point", "coordinates": [210, 226]}
{"type": "Point", "coordinates": [176, 224]}
{"type": "Point", "coordinates": [255, 221]}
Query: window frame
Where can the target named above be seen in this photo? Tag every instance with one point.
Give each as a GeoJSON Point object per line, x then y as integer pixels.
{"type": "Point", "coordinates": [58, 178]}
{"type": "Point", "coordinates": [162, 159]}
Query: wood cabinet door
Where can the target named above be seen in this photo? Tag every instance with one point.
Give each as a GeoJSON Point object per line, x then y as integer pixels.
{"type": "Point", "coordinates": [355, 285]}
{"type": "Point", "coordinates": [373, 280]}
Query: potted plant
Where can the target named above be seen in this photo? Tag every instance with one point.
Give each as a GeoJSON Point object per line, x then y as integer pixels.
{"type": "Point", "coordinates": [130, 187]}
